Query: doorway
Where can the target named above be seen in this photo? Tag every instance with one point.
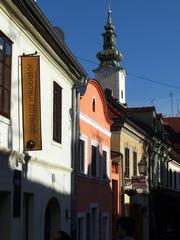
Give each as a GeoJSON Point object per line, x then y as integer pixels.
{"type": "Point", "coordinates": [52, 221]}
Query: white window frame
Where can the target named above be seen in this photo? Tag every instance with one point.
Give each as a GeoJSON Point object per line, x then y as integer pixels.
{"type": "Point", "coordinates": [82, 215]}
{"type": "Point", "coordinates": [85, 139]}
{"type": "Point", "coordinates": [107, 150]}
{"type": "Point", "coordinates": [95, 144]}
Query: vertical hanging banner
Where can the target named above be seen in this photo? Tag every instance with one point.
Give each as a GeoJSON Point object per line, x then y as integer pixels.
{"type": "Point", "coordinates": [31, 103]}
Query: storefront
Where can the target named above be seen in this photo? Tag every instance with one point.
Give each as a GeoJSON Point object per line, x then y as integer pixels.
{"type": "Point", "coordinates": [165, 212]}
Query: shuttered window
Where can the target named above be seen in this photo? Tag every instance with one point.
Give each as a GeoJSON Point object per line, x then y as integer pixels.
{"type": "Point", "coordinates": [57, 113]}
{"type": "Point", "coordinates": [94, 161]}
{"type": "Point", "coordinates": [126, 162]}
{"type": "Point", "coordinates": [135, 163]}
{"type": "Point", "coordinates": [104, 165]}
{"type": "Point", "coordinates": [5, 75]}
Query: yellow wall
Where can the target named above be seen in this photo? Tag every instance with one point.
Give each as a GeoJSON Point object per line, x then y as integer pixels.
{"type": "Point", "coordinates": [124, 138]}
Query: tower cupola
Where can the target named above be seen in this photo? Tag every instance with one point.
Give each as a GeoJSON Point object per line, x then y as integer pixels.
{"type": "Point", "coordinates": [109, 55]}
{"type": "Point", "coordinates": [109, 73]}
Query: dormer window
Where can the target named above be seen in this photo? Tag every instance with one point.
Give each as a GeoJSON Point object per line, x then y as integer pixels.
{"type": "Point", "coordinates": [94, 104]}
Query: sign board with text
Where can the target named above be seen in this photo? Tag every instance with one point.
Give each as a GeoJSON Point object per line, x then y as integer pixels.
{"type": "Point", "coordinates": [139, 182]}
{"type": "Point", "coordinates": [31, 104]}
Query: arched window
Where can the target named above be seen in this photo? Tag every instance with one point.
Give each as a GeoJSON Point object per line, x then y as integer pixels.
{"type": "Point", "coordinates": [94, 104]}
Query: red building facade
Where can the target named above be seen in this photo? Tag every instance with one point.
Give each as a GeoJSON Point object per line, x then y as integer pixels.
{"type": "Point", "coordinates": [94, 177]}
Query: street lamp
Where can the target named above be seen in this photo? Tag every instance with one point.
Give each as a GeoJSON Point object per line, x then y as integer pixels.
{"type": "Point", "coordinates": [142, 166]}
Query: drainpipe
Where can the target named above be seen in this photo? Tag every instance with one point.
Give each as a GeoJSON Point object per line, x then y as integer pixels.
{"type": "Point", "coordinates": [122, 185]}
{"type": "Point", "coordinates": [74, 154]}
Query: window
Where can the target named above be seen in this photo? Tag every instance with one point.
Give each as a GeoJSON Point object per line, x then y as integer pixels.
{"type": "Point", "coordinates": [94, 223]}
{"type": "Point", "coordinates": [81, 229]}
{"type": "Point", "coordinates": [135, 163]}
{"type": "Point", "coordinates": [94, 104]}
{"type": "Point", "coordinates": [115, 197]}
{"type": "Point", "coordinates": [170, 178]}
{"type": "Point", "coordinates": [94, 161]}
{"type": "Point", "coordinates": [57, 112]}
{"type": "Point", "coordinates": [105, 226]}
{"type": "Point", "coordinates": [94, 158]}
{"type": "Point", "coordinates": [175, 181]}
{"type": "Point", "coordinates": [28, 215]}
{"type": "Point", "coordinates": [122, 95]}
{"type": "Point", "coordinates": [81, 155]}
{"type": "Point", "coordinates": [104, 165]}
{"type": "Point", "coordinates": [5, 76]}
{"type": "Point", "coordinates": [126, 162]}
{"type": "Point", "coordinates": [162, 173]}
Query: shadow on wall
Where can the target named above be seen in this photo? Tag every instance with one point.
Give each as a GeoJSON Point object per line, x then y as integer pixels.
{"type": "Point", "coordinates": [41, 210]}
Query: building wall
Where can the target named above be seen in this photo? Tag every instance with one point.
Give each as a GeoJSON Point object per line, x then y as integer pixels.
{"type": "Point", "coordinates": [92, 191]}
{"type": "Point", "coordinates": [135, 205]}
{"type": "Point", "coordinates": [114, 81]}
{"type": "Point", "coordinates": [47, 174]}
{"type": "Point", "coordinates": [174, 182]}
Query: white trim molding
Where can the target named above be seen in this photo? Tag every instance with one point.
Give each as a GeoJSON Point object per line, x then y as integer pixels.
{"type": "Point", "coordinates": [85, 139]}
{"type": "Point", "coordinates": [107, 150]}
{"type": "Point", "coordinates": [94, 124]}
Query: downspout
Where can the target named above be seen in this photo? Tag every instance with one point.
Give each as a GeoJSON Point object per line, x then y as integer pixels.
{"type": "Point", "coordinates": [122, 185]}
{"type": "Point", "coordinates": [74, 152]}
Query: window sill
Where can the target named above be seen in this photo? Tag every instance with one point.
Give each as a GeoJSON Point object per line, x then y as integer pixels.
{"type": "Point", "coordinates": [56, 144]}
{"type": "Point", "coordinates": [5, 120]}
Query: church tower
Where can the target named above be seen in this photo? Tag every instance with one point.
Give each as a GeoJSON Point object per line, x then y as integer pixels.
{"type": "Point", "coordinates": [109, 72]}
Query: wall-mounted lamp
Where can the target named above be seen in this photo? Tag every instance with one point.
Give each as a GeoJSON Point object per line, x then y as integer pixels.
{"type": "Point", "coordinates": [142, 166]}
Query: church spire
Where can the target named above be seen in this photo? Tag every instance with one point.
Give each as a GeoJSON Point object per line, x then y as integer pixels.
{"type": "Point", "coordinates": [109, 19]}
{"type": "Point", "coordinates": [109, 73]}
{"type": "Point", "coordinates": [109, 55]}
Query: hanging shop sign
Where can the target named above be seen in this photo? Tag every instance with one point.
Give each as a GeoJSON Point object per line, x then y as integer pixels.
{"type": "Point", "coordinates": [31, 103]}
{"type": "Point", "coordinates": [139, 182]}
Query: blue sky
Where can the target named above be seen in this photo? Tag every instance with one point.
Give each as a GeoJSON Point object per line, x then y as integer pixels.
{"type": "Point", "coordinates": [148, 37]}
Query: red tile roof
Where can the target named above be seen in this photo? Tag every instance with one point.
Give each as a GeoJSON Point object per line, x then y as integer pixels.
{"type": "Point", "coordinates": [174, 122]}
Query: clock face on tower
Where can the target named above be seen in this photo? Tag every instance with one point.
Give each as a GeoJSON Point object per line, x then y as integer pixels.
{"type": "Point", "coordinates": [107, 71]}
